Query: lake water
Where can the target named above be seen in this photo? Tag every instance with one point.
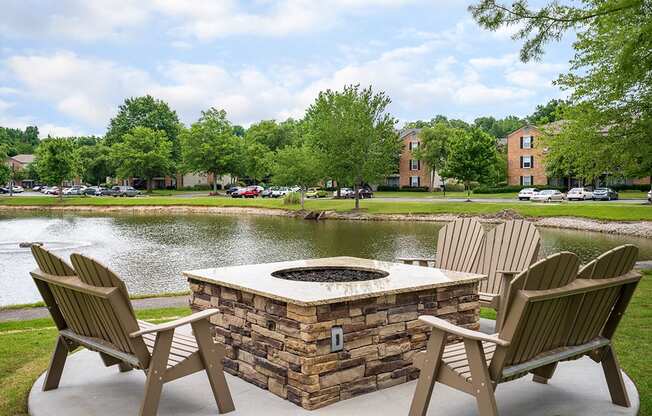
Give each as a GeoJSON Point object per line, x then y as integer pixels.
{"type": "Point", "coordinates": [150, 251]}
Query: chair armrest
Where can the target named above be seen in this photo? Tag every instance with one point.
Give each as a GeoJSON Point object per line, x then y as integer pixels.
{"type": "Point", "coordinates": [508, 272]}
{"type": "Point", "coordinates": [205, 314]}
{"type": "Point", "coordinates": [411, 260]}
{"type": "Point", "coordinates": [447, 327]}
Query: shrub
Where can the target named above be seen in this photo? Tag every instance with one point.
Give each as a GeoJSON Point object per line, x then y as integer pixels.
{"type": "Point", "coordinates": [624, 187]}
{"type": "Point", "coordinates": [413, 189]}
{"type": "Point", "coordinates": [292, 198]}
{"type": "Point", "coordinates": [387, 188]}
{"type": "Point", "coordinates": [454, 187]}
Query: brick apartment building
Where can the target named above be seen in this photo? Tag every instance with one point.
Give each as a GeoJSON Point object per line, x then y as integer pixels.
{"type": "Point", "coordinates": [526, 160]}
{"type": "Point", "coordinates": [412, 172]}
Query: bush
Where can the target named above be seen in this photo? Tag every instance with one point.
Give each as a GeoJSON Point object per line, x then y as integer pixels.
{"type": "Point", "coordinates": [454, 187]}
{"type": "Point", "coordinates": [624, 187]}
{"type": "Point", "coordinates": [387, 188]}
{"type": "Point", "coordinates": [292, 198]}
{"type": "Point", "coordinates": [413, 189]}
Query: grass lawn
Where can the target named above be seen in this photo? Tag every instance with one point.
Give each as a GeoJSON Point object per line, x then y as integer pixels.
{"type": "Point", "coordinates": [610, 211]}
{"type": "Point", "coordinates": [25, 349]}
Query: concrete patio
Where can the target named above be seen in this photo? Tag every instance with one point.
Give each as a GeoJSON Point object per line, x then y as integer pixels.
{"type": "Point", "coordinates": [88, 388]}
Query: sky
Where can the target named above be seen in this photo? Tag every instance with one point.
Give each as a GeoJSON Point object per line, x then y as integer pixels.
{"type": "Point", "coordinates": [66, 66]}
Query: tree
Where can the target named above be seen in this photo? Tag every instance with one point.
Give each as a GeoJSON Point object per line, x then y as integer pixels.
{"type": "Point", "coordinates": [610, 77]}
{"type": "Point", "coordinates": [143, 153]}
{"type": "Point", "coordinates": [95, 163]}
{"type": "Point", "coordinates": [297, 165]}
{"type": "Point", "coordinates": [5, 170]}
{"type": "Point", "coordinates": [256, 162]}
{"type": "Point", "coordinates": [145, 112]}
{"type": "Point", "coordinates": [272, 134]}
{"type": "Point", "coordinates": [471, 158]}
{"type": "Point", "coordinates": [434, 143]}
{"type": "Point", "coordinates": [55, 161]}
{"type": "Point", "coordinates": [211, 146]}
{"type": "Point", "coordinates": [354, 135]}
{"type": "Point", "coordinates": [548, 113]}
{"type": "Point", "coordinates": [498, 128]}
{"type": "Point", "coordinates": [419, 124]}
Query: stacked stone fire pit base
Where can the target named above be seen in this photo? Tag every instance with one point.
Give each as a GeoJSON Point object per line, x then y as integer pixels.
{"type": "Point", "coordinates": [286, 347]}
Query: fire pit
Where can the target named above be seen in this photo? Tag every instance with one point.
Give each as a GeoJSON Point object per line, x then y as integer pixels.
{"type": "Point", "coordinates": [330, 274]}
{"type": "Point", "coordinates": [319, 331]}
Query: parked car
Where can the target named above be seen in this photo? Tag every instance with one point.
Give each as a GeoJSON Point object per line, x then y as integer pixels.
{"type": "Point", "coordinates": [248, 192]}
{"type": "Point", "coordinates": [267, 193]}
{"type": "Point", "coordinates": [74, 190]}
{"type": "Point", "coordinates": [547, 195]}
{"type": "Point", "coordinates": [601, 194]}
{"type": "Point", "coordinates": [316, 193]}
{"type": "Point", "coordinates": [649, 196]}
{"type": "Point", "coordinates": [365, 193]}
{"type": "Point", "coordinates": [344, 193]}
{"type": "Point", "coordinates": [36, 188]}
{"type": "Point", "coordinates": [579, 194]}
{"type": "Point", "coordinates": [232, 189]}
{"type": "Point", "coordinates": [91, 190]}
{"type": "Point", "coordinates": [18, 189]}
{"type": "Point", "coordinates": [105, 192]}
{"type": "Point", "coordinates": [4, 190]}
{"type": "Point", "coordinates": [280, 192]}
{"type": "Point", "coordinates": [123, 191]}
{"type": "Point", "coordinates": [526, 193]}
{"type": "Point", "coordinates": [52, 190]}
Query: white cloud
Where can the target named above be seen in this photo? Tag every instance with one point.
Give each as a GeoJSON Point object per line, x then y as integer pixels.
{"type": "Point", "coordinates": [492, 62]}
{"type": "Point", "coordinates": [479, 94]}
{"type": "Point", "coordinates": [534, 75]}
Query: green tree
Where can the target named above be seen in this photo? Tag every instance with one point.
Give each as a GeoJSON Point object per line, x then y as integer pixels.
{"type": "Point", "coordinates": [211, 146]}
{"type": "Point", "coordinates": [550, 112]}
{"type": "Point", "coordinates": [354, 134]}
{"type": "Point", "coordinates": [610, 77]}
{"type": "Point", "coordinates": [297, 165]}
{"type": "Point", "coordinates": [145, 112]}
{"type": "Point", "coordinates": [5, 170]}
{"type": "Point", "coordinates": [143, 153]}
{"type": "Point", "coordinates": [471, 158]}
{"type": "Point", "coordinates": [95, 163]}
{"type": "Point", "coordinates": [272, 134]}
{"type": "Point", "coordinates": [256, 161]}
{"type": "Point", "coordinates": [498, 128]}
{"type": "Point", "coordinates": [56, 162]}
{"type": "Point", "coordinates": [434, 143]}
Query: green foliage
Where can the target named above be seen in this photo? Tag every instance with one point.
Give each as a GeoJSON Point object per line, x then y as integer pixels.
{"type": "Point", "coordinates": [256, 161]}
{"type": "Point", "coordinates": [16, 141]}
{"type": "Point", "coordinates": [354, 135]}
{"type": "Point", "coordinates": [434, 144]}
{"type": "Point", "coordinates": [145, 112]}
{"type": "Point", "coordinates": [5, 170]}
{"type": "Point", "coordinates": [498, 128]}
{"type": "Point", "coordinates": [143, 153]}
{"type": "Point", "coordinates": [274, 135]}
{"type": "Point", "coordinates": [56, 161]}
{"type": "Point", "coordinates": [95, 163]}
{"type": "Point", "coordinates": [550, 112]}
{"type": "Point", "coordinates": [472, 157]}
{"type": "Point", "coordinates": [453, 123]}
{"type": "Point", "coordinates": [297, 165]}
{"type": "Point", "coordinates": [210, 145]}
{"type": "Point", "coordinates": [293, 198]}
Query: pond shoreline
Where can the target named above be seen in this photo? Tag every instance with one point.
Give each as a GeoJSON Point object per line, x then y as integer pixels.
{"type": "Point", "coordinates": [630, 228]}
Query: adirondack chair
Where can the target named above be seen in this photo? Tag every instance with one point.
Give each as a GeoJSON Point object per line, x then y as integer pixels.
{"type": "Point", "coordinates": [542, 328]}
{"type": "Point", "coordinates": [612, 263]}
{"type": "Point", "coordinates": [91, 308]}
{"type": "Point", "coordinates": [458, 246]}
{"type": "Point", "coordinates": [508, 249]}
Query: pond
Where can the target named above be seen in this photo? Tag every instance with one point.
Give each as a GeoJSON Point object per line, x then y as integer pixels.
{"type": "Point", "coordinates": [150, 251]}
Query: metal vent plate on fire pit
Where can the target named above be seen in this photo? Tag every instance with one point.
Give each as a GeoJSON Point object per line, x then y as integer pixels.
{"type": "Point", "coordinates": [330, 274]}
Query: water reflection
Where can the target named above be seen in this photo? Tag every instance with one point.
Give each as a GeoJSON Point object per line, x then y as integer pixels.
{"type": "Point", "coordinates": [149, 251]}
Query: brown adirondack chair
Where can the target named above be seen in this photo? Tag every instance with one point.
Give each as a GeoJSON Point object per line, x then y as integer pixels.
{"type": "Point", "coordinates": [542, 328]}
{"type": "Point", "coordinates": [458, 247]}
{"type": "Point", "coordinates": [91, 308]}
{"type": "Point", "coordinates": [612, 263]}
{"type": "Point", "coordinates": [508, 249]}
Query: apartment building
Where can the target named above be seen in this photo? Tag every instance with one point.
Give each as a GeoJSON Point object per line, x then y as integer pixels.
{"type": "Point", "coordinates": [412, 172]}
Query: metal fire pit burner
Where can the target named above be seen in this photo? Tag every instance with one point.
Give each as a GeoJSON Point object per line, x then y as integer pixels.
{"type": "Point", "coordinates": [331, 274]}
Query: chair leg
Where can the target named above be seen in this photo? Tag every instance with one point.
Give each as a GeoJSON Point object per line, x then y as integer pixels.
{"type": "Point", "coordinates": [157, 366]}
{"type": "Point", "coordinates": [545, 373]}
{"type": "Point", "coordinates": [428, 376]}
{"type": "Point", "coordinates": [212, 355]}
{"type": "Point", "coordinates": [124, 367]}
{"type": "Point", "coordinates": [57, 362]}
{"type": "Point", "coordinates": [614, 378]}
{"type": "Point", "coordinates": [480, 378]}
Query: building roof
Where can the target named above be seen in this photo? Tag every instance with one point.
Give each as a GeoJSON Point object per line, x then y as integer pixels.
{"type": "Point", "coordinates": [23, 159]}
{"type": "Point", "coordinates": [405, 132]}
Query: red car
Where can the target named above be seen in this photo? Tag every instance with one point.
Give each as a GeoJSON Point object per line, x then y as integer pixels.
{"type": "Point", "coordinates": [248, 192]}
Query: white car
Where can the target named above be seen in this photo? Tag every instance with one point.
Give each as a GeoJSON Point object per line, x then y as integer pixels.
{"type": "Point", "coordinates": [527, 193]}
{"type": "Point", "coordinates": [345, 193]}
{"type": "Point", "coordinates": [579, 194]}
{"type": "Point", "coordinates": [547, 195]}
{"type": "Point", "coordinates": [649, 196]}
{"type": "Point", "coordinates": [281, 191]}
{"type": "Point", "coordinates": [18, 189]}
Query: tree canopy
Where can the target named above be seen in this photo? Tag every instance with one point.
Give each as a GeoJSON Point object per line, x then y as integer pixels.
{"type": "Point", "coordinates": [355, 135]}
{"type": "Point", "coordinates": [95, 163]}
{"type": "Point", "coordinates": [210, 145]}
{"type": "Point", "coordinates": [143, 153]}
{"type": "Point", "coordinates": [297, 165]}
{"type": "Point", "coordinates": [55, 160]}
{"type": "Point", "coordinates": [145, 112]}
{"type": "Point", "coordinates": [16, 141]}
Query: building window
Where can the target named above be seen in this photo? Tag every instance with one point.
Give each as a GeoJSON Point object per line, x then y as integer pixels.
{"type": "Point", "coordinates": [414, 145]}
{"type": "Point", "coordinates": [415, 181]}
{"type": "Point", "coordinates": [415, 164]}
{"type": "Point", "coordinates": [527, 162]}
{"type": "Point", "coordinates": [527, 142]}
{"type": "Point", "coordinates": [526, 180]}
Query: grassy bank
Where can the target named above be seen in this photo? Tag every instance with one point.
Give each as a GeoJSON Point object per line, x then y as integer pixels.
{"type": "Point", "coordinates": [25, 347]}
{"type": "Point", "coordinates": [606, 211]}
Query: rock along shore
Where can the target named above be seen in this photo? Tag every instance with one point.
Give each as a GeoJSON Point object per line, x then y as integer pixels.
{"type": "Point", "coordinates": [631, 228]}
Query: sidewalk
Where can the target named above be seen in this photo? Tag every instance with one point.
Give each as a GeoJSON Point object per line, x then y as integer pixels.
{"type": "Point", "coordinates": [41, 312]}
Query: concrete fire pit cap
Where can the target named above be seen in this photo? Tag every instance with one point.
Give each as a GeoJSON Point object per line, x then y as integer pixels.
{"type": "Point", "coordinates": [400, 278]}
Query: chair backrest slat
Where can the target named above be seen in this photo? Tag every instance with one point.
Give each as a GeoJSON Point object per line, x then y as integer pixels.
{"type": "Point", "coordinates": [459, 244]}
{"type": "Point", "coordinates": [512, 246]}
